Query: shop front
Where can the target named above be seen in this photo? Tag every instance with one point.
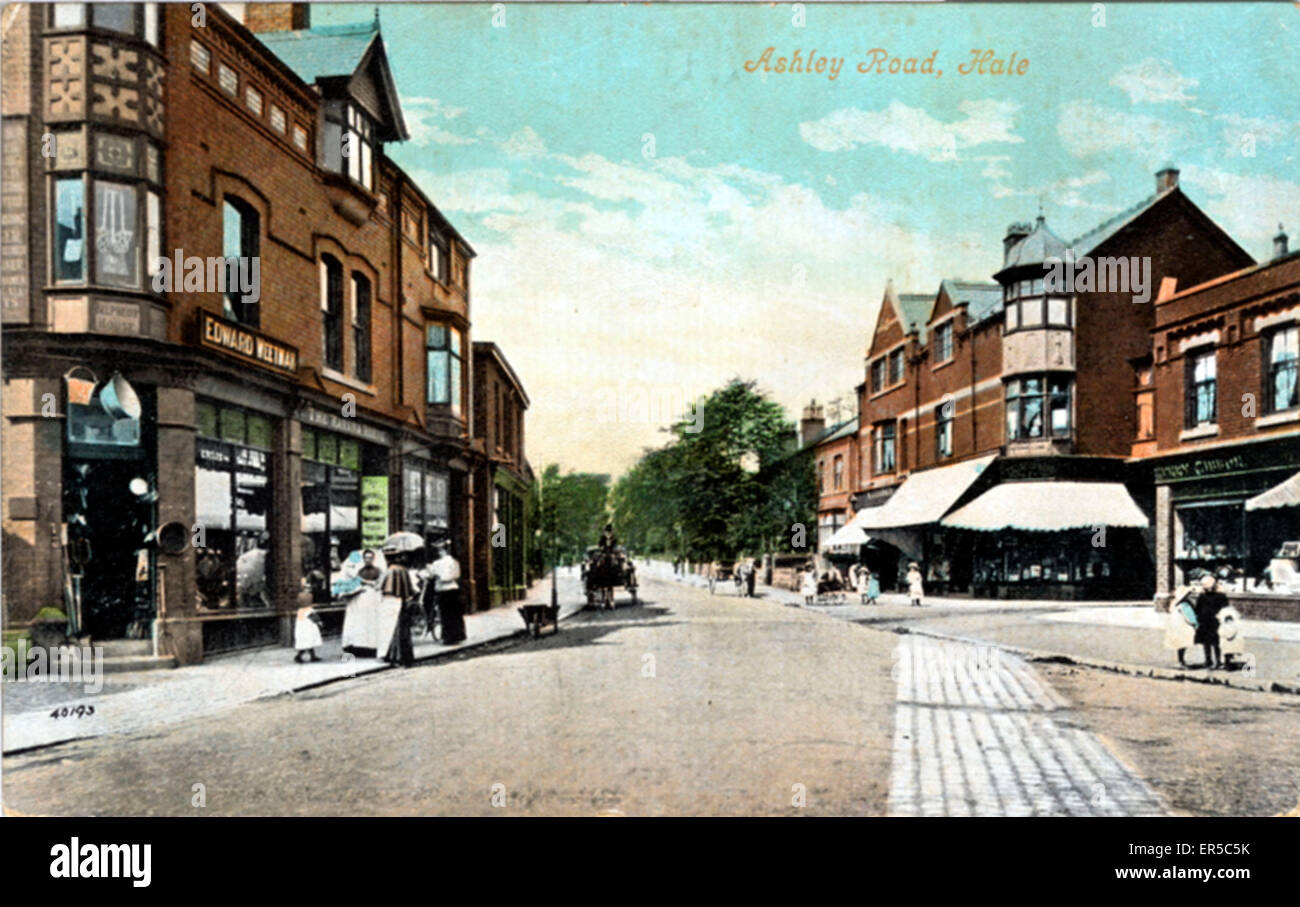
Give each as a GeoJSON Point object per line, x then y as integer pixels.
{"type": "Point", "coordinates": [1226, 512]}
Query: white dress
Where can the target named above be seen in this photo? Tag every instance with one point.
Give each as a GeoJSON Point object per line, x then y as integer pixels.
{"type": "Point", "coordinates": [306, 635]}
{"type": "Point", "coordinates": [809, 585]}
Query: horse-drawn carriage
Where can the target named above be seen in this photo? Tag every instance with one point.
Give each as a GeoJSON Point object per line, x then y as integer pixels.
{"type": "Point", "coordinates": [604, 570]}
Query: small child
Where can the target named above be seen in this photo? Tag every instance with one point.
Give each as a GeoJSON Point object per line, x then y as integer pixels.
{"type": "Point", "coordinates": [915, 586]}
{"type": "Point", "coordinates": [809, 585]}
{"type": "Point", "coordinates": [306, 629]}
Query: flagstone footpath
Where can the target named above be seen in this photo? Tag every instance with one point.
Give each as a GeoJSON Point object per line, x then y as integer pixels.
{"type": "Point", "coordinates": [132, 702]}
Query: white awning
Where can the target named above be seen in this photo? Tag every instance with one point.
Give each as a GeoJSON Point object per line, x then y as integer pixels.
{"type": "Point", "coordinates": [924, 496]}
{"type": "Point", "coordinates": [1049, 506]}
{"type": "Point", "coordinates": [1286, 494]}
{"type": "Point", "coordinates": [848, 534]}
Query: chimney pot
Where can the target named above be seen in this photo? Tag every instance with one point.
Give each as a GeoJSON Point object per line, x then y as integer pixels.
{"type": "Point", "coordinates": [1280, 243]}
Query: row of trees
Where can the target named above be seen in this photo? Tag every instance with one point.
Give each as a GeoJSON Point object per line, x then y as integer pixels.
{"type": "Point", "coordinates": [729, 482]}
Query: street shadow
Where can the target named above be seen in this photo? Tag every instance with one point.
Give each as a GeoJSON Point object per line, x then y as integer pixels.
{"type": "Point", "coordinates": [588, 628]}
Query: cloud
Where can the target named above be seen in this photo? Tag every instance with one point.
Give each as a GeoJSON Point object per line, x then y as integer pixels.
{"type": "Point", "coordinates": [1062, 193]}
{"type": "Point", "coordinates": [1087, 128]}
{"type": "Point", "coordinates": [1248, 207]}
{"type": "Point", "coordinates": [525, 142]}
{"type": "Point", "coordinates": [913, 130]}
{"type": "Point", "coordinates": [1154, 82]}
{"type": "Point", "coordinates": [423, 116]}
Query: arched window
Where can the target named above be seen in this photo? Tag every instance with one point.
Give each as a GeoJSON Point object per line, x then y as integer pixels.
{"type": "Point", "coordinates": [240, 242]}
{"type": "Point", "coordinates": [361, 326]}
{"type": "Point", "coordinates": [331, 304]}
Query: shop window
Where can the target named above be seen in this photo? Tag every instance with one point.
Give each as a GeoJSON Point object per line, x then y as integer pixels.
{"type": "Point", "coordinates": [69, 231]}
{"type": "Point", "coordinates": [942, 432]}
{"type": "Point", "coordinates": [240, 239]}
{"type": "Point", "coordinates": [1280, 356]}
{"type": "Point", "coordinates": [885, 440]}
{"type": "Point", "coordinates": [943, 342]}
{"type": "Point", "coordinates": [331, 303]}
{"type": "Point", "coordinates": [361, 326]}
{"type": "Point", "coordinates": [331, 518]}
{"type": "Point", "coordinates": [896, 366]}
{"type": "Point", "coordinates": [233, 500]}
{"type": "Point", "coordinates": [443, 366]}
{"type": "Point", "coordinates": [1201, 386]}
{"type": "Point", "coordinates": [277, 119]}
{"type": "Point", "coordinates": [1209, 535]}
{"type": "Point", "coordinates": [426, 507]}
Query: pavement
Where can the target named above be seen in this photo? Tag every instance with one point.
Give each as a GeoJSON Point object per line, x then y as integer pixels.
{"type": "Point", "coordinates": [33, 713]}
{"type": "Point", "coordinates": [1125, 637]}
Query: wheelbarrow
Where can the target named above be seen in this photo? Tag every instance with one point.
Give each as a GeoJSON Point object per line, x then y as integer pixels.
{"type": "Point", "coordinates": [537, 616]}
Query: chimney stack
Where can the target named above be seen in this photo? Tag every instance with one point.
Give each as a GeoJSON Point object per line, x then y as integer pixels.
{"type": "Point", "coordinates": [1279, 243]}
{"type": "Point", "coordinates": [1166, 178]}
{"type": "Point", "coordinates": [1015, 233]}
{"type": "Point", "coordinates": [264, 17]}
{"type": "Point", "coordinates": [812, 424]}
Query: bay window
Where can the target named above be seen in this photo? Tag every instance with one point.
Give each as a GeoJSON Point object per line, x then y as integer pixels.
{"type": "Point", "coordinates": [1280, 357]}
{"type": "Point", "coordinates": [1038, 407]}
{"type": "Point", "coordinates": [443, 359]}
{"type": "Point", "coordinates": [137, 19]}
{"type": "Point", "coordinates": [69, 231]}
{"type": "Point", "coordinates": [117, 235]}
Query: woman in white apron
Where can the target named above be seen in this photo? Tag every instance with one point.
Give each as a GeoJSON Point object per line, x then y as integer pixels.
{"type": "Point", "coordinates": [1180, 624]}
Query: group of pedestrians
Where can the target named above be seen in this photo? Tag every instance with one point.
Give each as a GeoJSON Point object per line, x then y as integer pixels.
{"type": "Point", "coordinates": [1202, 616]}
{"type": "Point", "coordinates": [864, 581]}
{"type": "Point", "coordinates": [744, 574]}
{"type": "Point", "coordinates": [387, 603]}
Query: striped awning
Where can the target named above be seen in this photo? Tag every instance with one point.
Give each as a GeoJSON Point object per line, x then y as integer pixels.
{"type": "Point", "coordinates": [1049, 507]}
{"type": "Point", "coordinates": [1287, 494]}
{"type": "Point", "coordinates": [924, 496]}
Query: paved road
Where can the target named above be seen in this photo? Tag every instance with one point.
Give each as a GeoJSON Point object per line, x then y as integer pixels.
{"type": "Point", "coordinates": [687, 704]}
{"type": "Point", "coordinates": [978, 732]}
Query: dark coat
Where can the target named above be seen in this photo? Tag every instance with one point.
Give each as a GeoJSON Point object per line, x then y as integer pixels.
{"type": "Point", "coordinates": [1208, 606]}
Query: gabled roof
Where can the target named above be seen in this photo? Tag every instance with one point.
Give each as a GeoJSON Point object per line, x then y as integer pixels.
{"type": "Point", "coordinates": [342, 51]}
{"type": "Point", "coordinates": [982, 299]}
{"type": "Point", "coordinates": [1108, 228]}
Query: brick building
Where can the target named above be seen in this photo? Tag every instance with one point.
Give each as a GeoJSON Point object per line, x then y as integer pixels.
{"type": "Point", "coordinates": [996, 418]}
{"type": "Point", "coordinates": [1224, 448]}
{"type": "Point", "coordinates": [194, 451]}
{"type": "Point", "coordinates": [503, 475]}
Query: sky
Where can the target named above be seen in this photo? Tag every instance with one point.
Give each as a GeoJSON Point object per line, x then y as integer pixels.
{"type": "Point", "coordinates": [652, 218]}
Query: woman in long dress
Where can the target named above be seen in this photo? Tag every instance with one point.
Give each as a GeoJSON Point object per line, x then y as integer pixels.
{"type": "Point", "coordinates": [364, 633]}
{"type": "Point", "coordinates": [808, 585]}
{"type": "Point", "coordinates": [397, 590]}
{"type": "Point", "coordinates": [915, 584]}
{"type": "Point", "coordinates": [873, 586]}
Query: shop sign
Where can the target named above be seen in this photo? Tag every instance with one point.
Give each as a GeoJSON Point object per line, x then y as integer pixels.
{"type": "Point", "coordinates": [1255, 458]}
{"type": "Point", "coordinates": [374, 511]}
{"type": "Point", "coordinates": [249, 346]}
{"type": "Point", "coordinates": [321, 419]}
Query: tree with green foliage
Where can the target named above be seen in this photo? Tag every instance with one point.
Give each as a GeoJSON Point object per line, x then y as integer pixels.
{"type": "Point", "coordinates": [730, 482]}
{"type": "Point", "coordinates": [572, 510]}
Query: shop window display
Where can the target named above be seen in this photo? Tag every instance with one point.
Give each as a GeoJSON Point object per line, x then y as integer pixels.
{"type": "Point", "coordinates": [232, 493]}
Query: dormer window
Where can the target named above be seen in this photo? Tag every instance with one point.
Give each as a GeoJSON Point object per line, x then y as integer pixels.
{"type": "Point", "coordinates": [349, 142]}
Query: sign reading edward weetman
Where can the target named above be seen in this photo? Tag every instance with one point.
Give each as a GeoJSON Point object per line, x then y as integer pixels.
{"type": "Point", "coordinates": [238, 341]}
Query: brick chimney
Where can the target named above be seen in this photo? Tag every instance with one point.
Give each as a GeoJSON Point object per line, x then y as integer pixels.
{"type": "Point", "coordinates": [1166, 178]}
{"type": "Point", "coordinates": [1279, 243]}
{"type": "Point", "coordinates": [261, 17]}
{"type": "Point", "coordinates": [813, 422]}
